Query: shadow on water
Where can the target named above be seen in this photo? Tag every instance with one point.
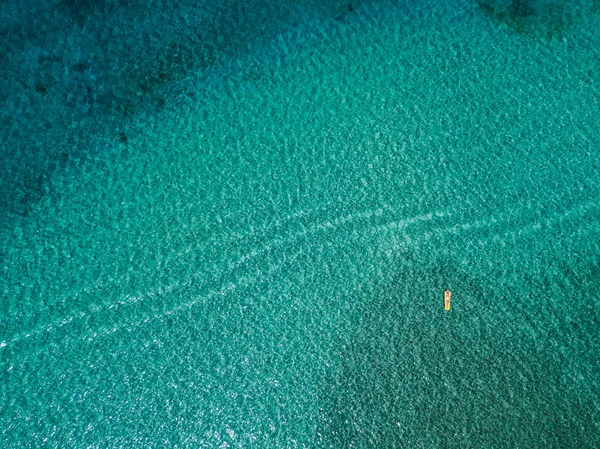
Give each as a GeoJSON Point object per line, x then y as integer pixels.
{"type": "Point", "coordinates": [415, 375]}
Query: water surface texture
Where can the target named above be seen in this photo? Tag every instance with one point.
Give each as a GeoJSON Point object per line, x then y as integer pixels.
{"type": "Point", "coordinates": [232, 226]}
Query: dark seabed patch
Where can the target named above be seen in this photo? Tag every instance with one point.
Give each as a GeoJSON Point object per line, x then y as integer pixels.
{"type": "Point", "coordinates": [481, 375]}
{"type": "Point", "coordinates": [80, 71]}
{"type": "Point", "coordinates": [535, 18]}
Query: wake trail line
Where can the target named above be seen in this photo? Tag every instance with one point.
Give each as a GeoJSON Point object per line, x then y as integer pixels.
{"type": "Point", "coordinates": [264, 249]}
{"type": "Point", "coordinates": [324, 226]}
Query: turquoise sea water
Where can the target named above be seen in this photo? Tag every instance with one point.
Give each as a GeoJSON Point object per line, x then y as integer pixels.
{"type": "Point", "coordinates": [242, 238]}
